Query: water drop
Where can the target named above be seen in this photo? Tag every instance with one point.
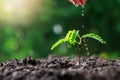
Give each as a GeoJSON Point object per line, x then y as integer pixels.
{"type": "Point", "coordinates": [83, 26]}
{"type": "Point", "coordinates": [85, 44]}
{"type": "Point", "coordinates": [82, 7]}
{"type": "Point", "coordinates": [82, 10]}
{"type": "Point", "coordinates": [88, 53]}
{"type": "Point", "coordinates": [87, 48]}
{"type": "Point", "coordinates": [82, 14]}
{"type": "Point", "coordinates": [84, 40]}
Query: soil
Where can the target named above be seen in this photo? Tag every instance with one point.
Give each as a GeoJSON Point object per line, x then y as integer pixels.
{"type": "Point", "coordinates": [60, 68]}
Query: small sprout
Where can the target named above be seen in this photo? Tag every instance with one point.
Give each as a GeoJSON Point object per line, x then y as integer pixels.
{"type": "Point", "coordinates": [71, 37]}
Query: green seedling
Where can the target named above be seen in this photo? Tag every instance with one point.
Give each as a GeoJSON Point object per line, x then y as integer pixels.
{"type": "Point", "coordinates": [73, 37]}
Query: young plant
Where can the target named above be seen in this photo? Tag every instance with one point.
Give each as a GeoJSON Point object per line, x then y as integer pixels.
{"type": "Point", "coordinates": [71, 39]}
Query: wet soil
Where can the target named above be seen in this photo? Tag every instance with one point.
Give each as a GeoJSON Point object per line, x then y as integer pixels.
{"type": "Point", "coordinates": [60, 68]}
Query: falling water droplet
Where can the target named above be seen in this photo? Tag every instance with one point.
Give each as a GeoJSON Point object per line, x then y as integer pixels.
{"type": "Point", "coordinates": [86, 45]}
{"type": "Point", "coordinates": [87, 48]}
{"type": "Point", "coordinates": [88, 53]}
{"type": "Point", "coordinates": [82, 6]}
{"type": "Point", "coordinates": [82, 10]}
{"type": "Point", "coordinates": [83, 26]}
{"type": "Point", "coordinates": [82, 14]}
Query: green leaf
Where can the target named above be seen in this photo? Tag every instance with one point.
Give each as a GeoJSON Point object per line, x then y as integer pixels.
{"type": "Point", "coordinates": [58, 43]}
{"type": "Point", "coordinates": [73, 36]}
{"type": "Point", "coordinates": [68, 35]}
{"type": "Point", "coordinates": [94, 36]}
{"type": "Point", "coordinates": [70, 38]}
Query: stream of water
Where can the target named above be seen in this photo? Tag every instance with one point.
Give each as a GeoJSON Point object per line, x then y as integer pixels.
{"type": "Point", "coordinates": [83, 26]}
{"type": "Point", "coordinates": [82, 11]}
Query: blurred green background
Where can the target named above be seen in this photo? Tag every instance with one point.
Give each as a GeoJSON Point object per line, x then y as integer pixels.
{"type": "Point", "coordinates": [30, 27]}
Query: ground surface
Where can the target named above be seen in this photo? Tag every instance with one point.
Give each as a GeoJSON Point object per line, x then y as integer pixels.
{"type": "Point", "coordinates": [60, 68]}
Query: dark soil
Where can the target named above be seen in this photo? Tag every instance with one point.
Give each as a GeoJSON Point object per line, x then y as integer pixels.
{"type": "Point", "coordinates": [60, 68]}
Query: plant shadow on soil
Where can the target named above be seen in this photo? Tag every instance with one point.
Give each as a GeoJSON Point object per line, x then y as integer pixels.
{"type": "Point", "coordinates": [60, 68]}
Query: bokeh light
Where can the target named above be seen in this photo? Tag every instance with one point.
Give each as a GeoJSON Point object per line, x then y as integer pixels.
{"type": "Point", "coordinates": [17, 11]}
{"type": "Point", "coordinates": [57, 28]}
